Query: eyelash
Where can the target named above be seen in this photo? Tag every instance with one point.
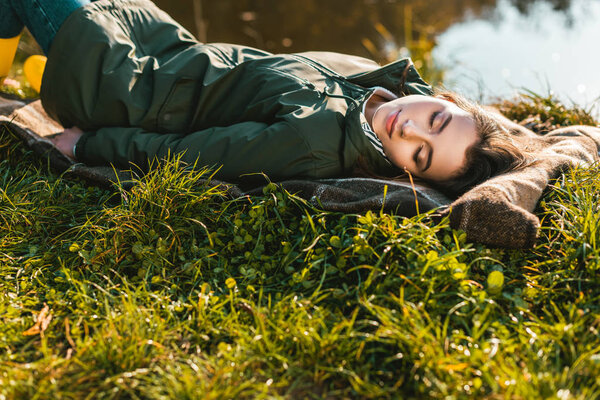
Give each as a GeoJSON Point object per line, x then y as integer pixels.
{"type": "Point", "coordinates": [432, 118]}
{"type": "Point", "coordinates": [417, 153]}
{"type": "Point", "coordinates": [431, 121]}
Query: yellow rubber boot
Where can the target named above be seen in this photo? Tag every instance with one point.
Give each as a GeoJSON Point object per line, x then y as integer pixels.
{"type": "Point", "coordinates": [8, 49]}
{"type": "Point", "coordinates": [34, 70]}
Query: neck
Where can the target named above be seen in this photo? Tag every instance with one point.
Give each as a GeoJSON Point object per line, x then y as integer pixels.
{"type": "Point", "coordinates": [372, 105]}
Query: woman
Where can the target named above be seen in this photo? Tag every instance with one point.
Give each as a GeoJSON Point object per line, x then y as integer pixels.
{"type": "Point", "coordinates": [134, 86]}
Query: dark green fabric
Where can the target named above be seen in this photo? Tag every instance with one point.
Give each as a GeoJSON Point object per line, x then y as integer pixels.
{"type": "Point", "coordinates": [497, 212]}
{"type": "Point", "coordinates": [142, 87]}
{"type": "Point", "coordinates": [349, 195]}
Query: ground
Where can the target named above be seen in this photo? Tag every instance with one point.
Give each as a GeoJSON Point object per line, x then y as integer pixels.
{"type": "Point", "coordinates": [173, 290]}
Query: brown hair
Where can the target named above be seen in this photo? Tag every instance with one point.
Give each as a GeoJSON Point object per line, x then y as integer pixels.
{"type": "Point", "coordinates": [495, 152]}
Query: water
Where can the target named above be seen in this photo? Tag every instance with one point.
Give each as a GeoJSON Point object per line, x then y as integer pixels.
{"type": "Point", "coordinates": [488, 48]}
{"type": "Point", "coordinates": [541, 51]}
{"type": "Point", "coordinates": [369, 28]}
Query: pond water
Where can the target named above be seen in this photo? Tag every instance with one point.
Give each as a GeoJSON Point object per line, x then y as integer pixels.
{"type": "Point", "coordinates": [485, 48]}
{"type": "Point", "coordinates": [544, 50]}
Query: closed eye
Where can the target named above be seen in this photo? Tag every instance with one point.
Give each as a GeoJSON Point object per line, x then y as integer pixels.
{"type": "Point", "coordinates": [432, 118]}
{"type": "Point", "coordinates": [423, 165]}
{"type": "Point", "coordinates": [416, 155]}
{"type": "Point", "coordinates": [445, 123]}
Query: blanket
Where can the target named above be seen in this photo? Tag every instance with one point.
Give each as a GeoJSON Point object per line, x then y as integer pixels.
{"type": "Point", "coordinates": [349, 195]}
{"type": "Point", "coordinates": [497, 212]}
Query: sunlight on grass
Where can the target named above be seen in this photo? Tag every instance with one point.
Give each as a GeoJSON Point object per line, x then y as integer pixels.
{"type": "Point", "coordinates": [174, 290]}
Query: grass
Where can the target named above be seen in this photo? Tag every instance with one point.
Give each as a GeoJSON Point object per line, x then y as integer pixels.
{"type": "Point", "coordinates": [173, 290]}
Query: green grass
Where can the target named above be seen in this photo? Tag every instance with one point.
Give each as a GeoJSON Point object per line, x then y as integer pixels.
{"type": "Point", "coordinates": [173, 290]}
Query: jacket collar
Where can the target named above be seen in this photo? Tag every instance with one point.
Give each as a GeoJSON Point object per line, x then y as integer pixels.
{"type": "Point", "coordinates": [400, 77]}
{"type": "Point", "coordinates": [358, 145]}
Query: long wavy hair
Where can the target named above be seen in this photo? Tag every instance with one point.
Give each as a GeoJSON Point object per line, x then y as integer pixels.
{"type": "Point", "coordinates": [496, 152]}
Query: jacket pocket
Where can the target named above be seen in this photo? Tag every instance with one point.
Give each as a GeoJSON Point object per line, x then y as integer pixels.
{"type": "Point", "coordinates": [175, 115]}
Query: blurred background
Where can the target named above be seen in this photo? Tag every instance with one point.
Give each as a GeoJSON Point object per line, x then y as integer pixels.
{"type": "Point", "coordinates": [481, 48]}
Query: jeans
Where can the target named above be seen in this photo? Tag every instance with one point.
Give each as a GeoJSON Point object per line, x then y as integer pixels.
{"type": "Point", "coordinates": [43, 18]}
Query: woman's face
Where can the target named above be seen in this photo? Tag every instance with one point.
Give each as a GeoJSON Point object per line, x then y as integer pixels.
{"type": "Point", "coordinates": [425, 135]}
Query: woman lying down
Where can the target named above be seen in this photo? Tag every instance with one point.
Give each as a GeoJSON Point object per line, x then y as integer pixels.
{"type": "Point", "coordinates": [132, 86]}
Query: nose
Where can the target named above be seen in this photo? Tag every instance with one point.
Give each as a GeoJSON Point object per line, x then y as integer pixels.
{"type": "Point", "coordinates": [412, 130]}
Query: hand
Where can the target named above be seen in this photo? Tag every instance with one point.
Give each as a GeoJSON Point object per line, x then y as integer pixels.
{"type": "Point", "coordinates": [65, 141]}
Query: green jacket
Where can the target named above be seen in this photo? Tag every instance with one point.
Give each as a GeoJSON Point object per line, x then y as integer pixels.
{"type": "Point", "coordinates": [142, 87]}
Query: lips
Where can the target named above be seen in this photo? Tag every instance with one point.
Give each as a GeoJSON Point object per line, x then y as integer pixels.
{"type": "Point", "coordinates": [391, 122]}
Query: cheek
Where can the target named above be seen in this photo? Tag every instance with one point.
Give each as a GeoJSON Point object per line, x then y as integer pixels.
{"type": "Point", "coordinates": [398, 154]}
{"type": "Point", "coordinates": [379, 117]}
{"type": "Point", "coordinates": [450, 161]}
{"type": "Point", "coordinates": [385, 110]}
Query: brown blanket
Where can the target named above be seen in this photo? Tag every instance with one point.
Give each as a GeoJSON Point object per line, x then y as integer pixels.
{"type": "Point", "coordinates": [497, 212]}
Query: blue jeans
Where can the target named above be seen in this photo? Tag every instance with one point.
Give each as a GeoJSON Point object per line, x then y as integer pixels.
{"type": "Point", "coordinates": [43, 18]}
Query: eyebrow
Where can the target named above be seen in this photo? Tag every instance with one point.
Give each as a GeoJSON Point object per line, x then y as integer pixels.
{"type": "Point", "coordinates": [445, 123]}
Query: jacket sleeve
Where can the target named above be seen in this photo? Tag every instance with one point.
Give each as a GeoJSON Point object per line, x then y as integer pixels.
{"type": "Point", "coordinates": [277, 150]}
